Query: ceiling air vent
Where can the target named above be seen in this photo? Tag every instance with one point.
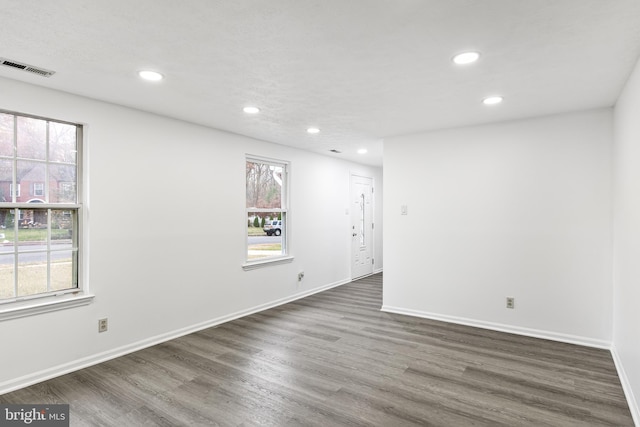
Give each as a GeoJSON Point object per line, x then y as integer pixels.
{"type": "Point", "coordinates": [335, 151]}
{"type": "Point", "coordinates": [25, 67]}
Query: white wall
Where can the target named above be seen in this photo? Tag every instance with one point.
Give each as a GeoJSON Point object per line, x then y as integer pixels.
{"type": "Point", "coordinates": [167, 226]}
{"type": "Point", "coordinates": [626, 184]}
{"type": "Point", "coordinates": [519, 209]}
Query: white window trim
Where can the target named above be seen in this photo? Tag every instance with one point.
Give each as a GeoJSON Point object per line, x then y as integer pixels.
{"type": "Point", "coordinates": [274, 260]}
{"type": "Point", "coordinates": [45, 304]}
{"type": "Point", "coordinates": [253, 265]}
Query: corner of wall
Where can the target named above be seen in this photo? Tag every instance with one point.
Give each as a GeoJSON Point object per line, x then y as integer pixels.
{"type": "Point", "coordinates": [626, 386]}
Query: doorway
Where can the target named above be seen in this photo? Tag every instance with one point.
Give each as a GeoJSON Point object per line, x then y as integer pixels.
{"type": "Point", "coordinates": [361, 226]}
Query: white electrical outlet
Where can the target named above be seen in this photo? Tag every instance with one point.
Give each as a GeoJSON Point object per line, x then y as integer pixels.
{"type": "Point", "coordinates": [300, 276]}
{"type": "Point", "coordinates": [103, 325]}
{"type": "Point", "coordinates": [511, 302]}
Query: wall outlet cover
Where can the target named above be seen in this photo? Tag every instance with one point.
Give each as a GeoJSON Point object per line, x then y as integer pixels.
{"type": "Point", "coordinates": [103, 325]}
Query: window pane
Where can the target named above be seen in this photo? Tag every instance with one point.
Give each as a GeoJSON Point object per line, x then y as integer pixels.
{"type": "Point", "coordinates": [32, 227]}
{"type": "Point", "coordinates": [62, 143]}
{"type": "Point", "coordinates": [32, 273]}
{"type": "Point", "coordinates": [6, 179]}
{"type": "Point", "coordinates": [63, 258]}
{"type": "Point", "coordinates": [7, 257]}
{"type": "Point", "coordinates": [62, 270]}
{"type": "Point", "coordinates": [62, 226]}
{"type": "Point", "coordinates": [7, 268]}
{"type": "Point", "coordinates": [7, 234]}
{"type": "Point", "coordinates": [32, 138]}
{"type": "Point", "coordinates": [265, 239]}
{"type": "Point", "coordinates": [6, 135]}
{"type": "Point", "coordinates": [6, 225]}
{"type": "Point", "coordinates": [28, 174]}
{"type": "Point", "coordinates": [362, 228]}
{"type": "Point", "coordinates": [264, 185]}
{"type": "Point", "coordinates": [62, 184]}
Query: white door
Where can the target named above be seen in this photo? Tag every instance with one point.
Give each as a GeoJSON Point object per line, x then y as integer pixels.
{"type": "Point", "coordinates": [361, 226]}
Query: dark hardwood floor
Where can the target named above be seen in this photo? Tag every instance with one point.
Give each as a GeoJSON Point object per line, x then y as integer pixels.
{"type": "Point", "coordinates": [335, 359]}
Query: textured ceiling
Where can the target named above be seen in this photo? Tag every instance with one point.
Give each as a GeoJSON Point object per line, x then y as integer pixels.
{"type": "Point", "coordinates": [360, 70]}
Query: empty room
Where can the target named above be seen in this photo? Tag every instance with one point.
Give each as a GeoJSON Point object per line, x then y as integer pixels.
{"type": "Point", "coordinates": [438, 221]}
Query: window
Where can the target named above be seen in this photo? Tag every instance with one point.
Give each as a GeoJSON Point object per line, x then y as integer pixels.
{"type": "Point", "coordinates": [362, 225]}
{"type": "Point", "coordinates": [267, 214]}
{"type": "Point", "coordinates": [38, 189]}
{"type": "Point", "coordinates": [11, 191]}
{"type": "Point", "coordinates": [39, 238]}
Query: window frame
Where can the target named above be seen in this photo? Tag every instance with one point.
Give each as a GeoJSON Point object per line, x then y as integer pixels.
{"type": "Point", "coordinates": [285, 211]}
{"type": "Point", "coordinates": [53, 300]}
{"type": "Point", "coordinates": [38, 189]}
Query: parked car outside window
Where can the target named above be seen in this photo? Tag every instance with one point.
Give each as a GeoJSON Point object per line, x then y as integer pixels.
{"type": "Point", "coordinates": [272, 227]}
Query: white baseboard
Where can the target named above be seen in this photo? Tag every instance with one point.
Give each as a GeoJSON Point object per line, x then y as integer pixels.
{"type": "Point", "coordinates": [548, 335]}
{"type": "Point", "coordinates": [626, 386]}
{"type": "Point", "coordinates": [373, 273]}
{"type": "Point", "coordinates": [56, 371]}
{"type": "Point", "coordinates": [377, 270]}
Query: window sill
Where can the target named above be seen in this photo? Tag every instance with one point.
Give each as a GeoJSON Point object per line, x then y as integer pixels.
{"type": "Point", "coordinates": [32, 308]}
{"type": "Point", "coordinates": [252, 265]}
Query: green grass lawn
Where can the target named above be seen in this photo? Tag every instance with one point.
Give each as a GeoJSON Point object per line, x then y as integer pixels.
{"type": "Point", "coordinates": [255, 231]}
{"type": "Point", "coordinates": [34, 234]}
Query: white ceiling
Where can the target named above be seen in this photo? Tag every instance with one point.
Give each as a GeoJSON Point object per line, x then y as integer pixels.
{"type": "Point", "coordinates": [360, 70]}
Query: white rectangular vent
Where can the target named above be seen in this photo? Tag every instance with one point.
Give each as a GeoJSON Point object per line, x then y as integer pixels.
{"type": "Point", "coordinates": [25, 67]}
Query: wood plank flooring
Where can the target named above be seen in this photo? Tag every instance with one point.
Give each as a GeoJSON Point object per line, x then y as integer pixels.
{"type": "Point", "coordinates": [335, 359]}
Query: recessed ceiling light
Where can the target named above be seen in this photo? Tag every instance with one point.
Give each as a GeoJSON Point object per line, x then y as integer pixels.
{"type": "Point", "coordinates": [152, 76]}
{"type": "Point", "coordinates": [492, 100]}
{"type": "Point", "coordinates": [251, 110]}
{"type": "Point", "coordinates": [466, 58]}
{"type": "Point", "coordinates": [362, 151]}
{"type": "Point", "coordinates": [313, 130]}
